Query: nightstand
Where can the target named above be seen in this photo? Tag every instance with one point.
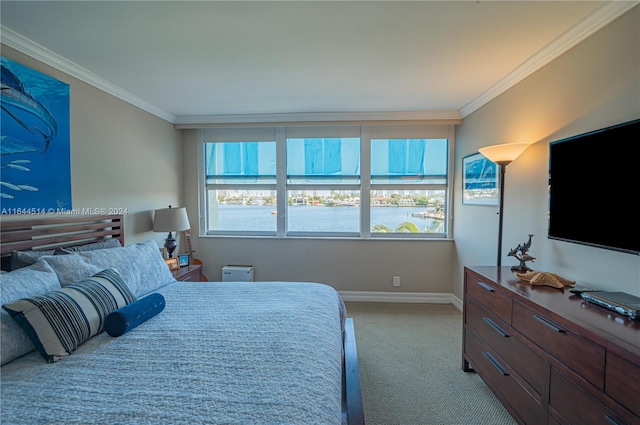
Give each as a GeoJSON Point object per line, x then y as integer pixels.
{"type": "Point", "coordinates": [186, 273]}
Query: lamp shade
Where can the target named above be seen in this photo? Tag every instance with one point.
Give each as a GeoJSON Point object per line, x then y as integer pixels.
{"type": "Point", "coordinates": [171, 220]}
{"type": "Point", "coordinates": [503, 154]}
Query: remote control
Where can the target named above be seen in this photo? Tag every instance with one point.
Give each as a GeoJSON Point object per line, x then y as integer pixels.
{"type": "Point", "coordinates": [579, 291]}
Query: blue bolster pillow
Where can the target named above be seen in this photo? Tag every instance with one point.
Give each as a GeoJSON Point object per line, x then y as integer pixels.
{"type": "Point", "coordinates": [130, 316]}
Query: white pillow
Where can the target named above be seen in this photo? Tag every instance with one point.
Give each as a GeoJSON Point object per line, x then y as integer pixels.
{"type": "Point", "coordinates": [20, 259]}
{"type": "Point", "coordinates": [105, 244]}
{"type": "Point", "coordinates": [72, 268]}
{"type": "Point", "coordinates": [29, 281]}
{"type": "Point", "coordinates": [141, 266]}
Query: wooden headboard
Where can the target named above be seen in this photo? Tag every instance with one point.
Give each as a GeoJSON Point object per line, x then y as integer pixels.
{"type": "Point", "coordinates": [58, 231]}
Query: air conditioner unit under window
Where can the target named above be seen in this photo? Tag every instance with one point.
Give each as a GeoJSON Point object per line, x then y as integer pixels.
{"type": "Point", "coordinates": [237, 274]}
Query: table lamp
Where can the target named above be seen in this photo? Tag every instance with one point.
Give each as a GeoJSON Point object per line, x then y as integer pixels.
{"type": "Point", "coordinates": [170, 220]}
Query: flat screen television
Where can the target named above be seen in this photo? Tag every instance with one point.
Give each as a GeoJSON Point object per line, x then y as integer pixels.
{"type": "Point", "coordinates": [594, 188]}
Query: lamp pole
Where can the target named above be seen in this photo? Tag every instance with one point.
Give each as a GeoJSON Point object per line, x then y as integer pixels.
{"type": "Point", "coordinates": [503, 166]}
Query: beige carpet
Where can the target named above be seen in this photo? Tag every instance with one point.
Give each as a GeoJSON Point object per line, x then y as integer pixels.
{"type": "Point", "coordinates": [410, 367]}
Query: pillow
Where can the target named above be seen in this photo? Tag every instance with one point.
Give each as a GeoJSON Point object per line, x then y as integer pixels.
{"type": "Point", "coordinates": [106, 244]}
{"type": "Point", "coordinates": [71, 268]}
{"type": "Point", "coordinates": [20, 259]}
{"type": "Point", "coordinates": [58, 322]}
{"type": "Point", "coordinates": [36, 279]}
{"type": "Point", "coordinates": [141, 265]}
{"type": "Point", "coordinates": [131, 316]}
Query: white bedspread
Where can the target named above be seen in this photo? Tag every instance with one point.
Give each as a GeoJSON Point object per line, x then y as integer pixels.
{"type": "Point", "coordinates": [219, 353]}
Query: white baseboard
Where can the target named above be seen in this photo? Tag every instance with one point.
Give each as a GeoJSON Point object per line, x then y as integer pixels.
{"type": "Point", "coordinates": [402, 297]}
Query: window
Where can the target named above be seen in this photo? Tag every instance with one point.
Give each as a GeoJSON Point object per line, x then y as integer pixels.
{"type": "Point", "coordinates": [323, 185]}
{"type": "Point", "coordinates": [331, 181]}
{"type": "Point", "coordinates": [408, 185]}
{"type": "Point", "coordinates": [240, 183]}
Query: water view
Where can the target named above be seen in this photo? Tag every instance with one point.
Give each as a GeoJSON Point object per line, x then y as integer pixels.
{"type": "Point", "coordinates": [310, 218]}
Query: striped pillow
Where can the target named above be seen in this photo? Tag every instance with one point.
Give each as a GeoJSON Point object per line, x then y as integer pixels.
{"type": "Point", "coordinates": [59, 321]}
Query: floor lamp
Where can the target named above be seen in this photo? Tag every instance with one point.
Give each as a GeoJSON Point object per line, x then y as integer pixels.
{"type": "Point", "coordinates": [502, 155]}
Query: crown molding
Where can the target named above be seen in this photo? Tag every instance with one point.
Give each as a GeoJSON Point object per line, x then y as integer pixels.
{"type": "Point", "coordinates": [590, 24]}
{"type": "Point", "coordinates": [309, 118]}
{"type": "Point", "coordinates": [24, 45]}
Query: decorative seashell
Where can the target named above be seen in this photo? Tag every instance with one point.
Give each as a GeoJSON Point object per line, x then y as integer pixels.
{"type": "Point", "coordinates": [527, 275]}
{"type": "Point", "coordinates": [564, 281]}
{"type": "Point", "coordinates": [546, 279]}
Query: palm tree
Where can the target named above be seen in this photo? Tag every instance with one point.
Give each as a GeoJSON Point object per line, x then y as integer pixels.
{"type": "Point", "coordinates": [380, 228]}
{"type": "Point", "coordinates": [407, 227]}
{"type": "Point", "coordinates": [436, 226]}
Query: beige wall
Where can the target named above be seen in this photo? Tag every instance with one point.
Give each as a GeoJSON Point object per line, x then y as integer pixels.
{"type": "Point", "coordinates": [594, 85]}
{"type": "Point", "coordinates": [121, 156]}
{"type": "Point", "coordinates": [347, 265]}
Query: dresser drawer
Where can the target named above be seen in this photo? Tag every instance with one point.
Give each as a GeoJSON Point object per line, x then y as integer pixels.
{"type": "Point", "coordinates": [576, 352]}
{"type": "Point", "coordinates": [501, 379]}
{"type": "Point", "coordinates": [575, 406]}
{"type": "Point", "coordinates": [500, 337]}
{"type": "Point", "coordinates": [622, 382]}
{"type": "Point", "coordinates": [191, 273]}
{"type": "Point", "coordinates": [486, 293]}
{"type": "Point", "coordinates": [552, 421]}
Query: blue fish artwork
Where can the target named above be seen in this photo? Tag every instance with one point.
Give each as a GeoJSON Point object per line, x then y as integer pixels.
{"type": "Point", "coordinates": [35, 157]}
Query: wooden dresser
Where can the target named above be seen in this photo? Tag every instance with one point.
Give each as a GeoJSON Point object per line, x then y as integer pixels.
{"type": "Point", "coordinates": [550, 357]}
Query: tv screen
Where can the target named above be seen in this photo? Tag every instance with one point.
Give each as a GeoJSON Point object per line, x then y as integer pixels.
{"type": "Point", "coordinates": [594, 188]}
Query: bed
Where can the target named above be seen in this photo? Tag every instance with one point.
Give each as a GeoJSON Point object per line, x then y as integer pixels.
{"type": "Point", "coordinates": [213, 353]}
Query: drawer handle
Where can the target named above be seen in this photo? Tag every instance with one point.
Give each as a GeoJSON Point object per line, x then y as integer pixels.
{"type": "Point", "coordinates": [495, 363]}
{"type": "Point", "coordinates": [496, 327]}
{"type": "Point", "coordinates": [612, 421]}
{"type": "Point", "coordinates": [546, 323]}
{"type": "Point", "coordinates": [487, 287]}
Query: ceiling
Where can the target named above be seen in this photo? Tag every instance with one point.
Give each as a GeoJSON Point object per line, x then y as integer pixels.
{"type": "Point", "coordinates": [214, 61]}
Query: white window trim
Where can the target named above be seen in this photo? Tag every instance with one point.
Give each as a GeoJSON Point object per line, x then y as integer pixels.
{"type": "Point", "coordinates": [380, 131]}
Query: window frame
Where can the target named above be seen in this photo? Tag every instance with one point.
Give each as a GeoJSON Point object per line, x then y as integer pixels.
{"type": "Point", "coordinates": [365, 187]}
{"type": "Point", "coordinates": [425, 186]}
{"type": "Point", "coordinates": [304, 132]}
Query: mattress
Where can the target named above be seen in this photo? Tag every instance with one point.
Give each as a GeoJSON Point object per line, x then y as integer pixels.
{"type": "Point", "coordinates": [219, 353]}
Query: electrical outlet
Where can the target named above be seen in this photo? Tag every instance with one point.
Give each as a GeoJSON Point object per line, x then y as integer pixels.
{"type": "Point", "coordinates": [396, 281]}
